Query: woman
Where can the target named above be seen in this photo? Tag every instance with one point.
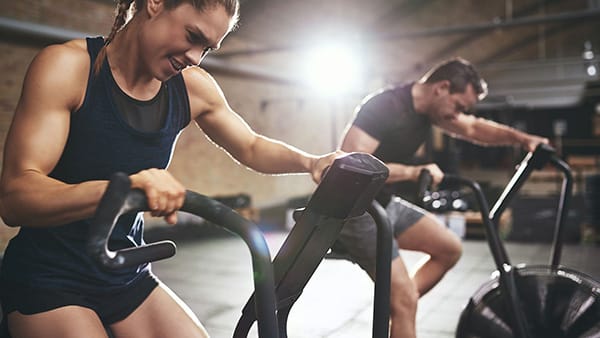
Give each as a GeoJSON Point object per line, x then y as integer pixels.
{"type": "Point", "coordinates": [90, 108]}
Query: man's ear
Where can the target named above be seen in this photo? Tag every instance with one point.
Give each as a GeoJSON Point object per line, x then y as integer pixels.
{"type": "Point", "coordinates": [442, 87]}
{"type": "Point", "coordinates": [154, 7]}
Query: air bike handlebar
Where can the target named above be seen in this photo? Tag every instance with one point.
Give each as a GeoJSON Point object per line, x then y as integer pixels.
{"type": "Point", "coordinates": [536, 160]}
{"type": "Point", "coordinates": [120, 199]}
{"type": "Point", "coordinates": [346, 190]}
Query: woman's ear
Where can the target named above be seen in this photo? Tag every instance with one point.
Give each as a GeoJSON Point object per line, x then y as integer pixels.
{"type": "Point", "coordinates": [154, 7]}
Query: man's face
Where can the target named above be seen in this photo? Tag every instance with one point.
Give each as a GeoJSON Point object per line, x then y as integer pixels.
{"type": "Point", "coordinates": [447, 106]}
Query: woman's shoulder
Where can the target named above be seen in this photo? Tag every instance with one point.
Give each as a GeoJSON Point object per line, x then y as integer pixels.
{"type": "Point", "coordinates": [197, 77]}
{"type": "Point", "coordinates": [203, 90]}
{"type": "Point", "coordinates": [64, 66]}
{"type": "Point", "coordinates": [73, 50]}
{"type": "Point", "coordinates": [63, 58]}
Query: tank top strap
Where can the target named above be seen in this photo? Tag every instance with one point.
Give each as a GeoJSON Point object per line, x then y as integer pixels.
{"type": "Point", "coordinates": [94, 44]}
{"type": "Point", "coordinates": [179, 101]}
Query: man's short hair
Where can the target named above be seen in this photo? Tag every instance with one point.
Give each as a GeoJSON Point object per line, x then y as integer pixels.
{"type": "Point", "coordinates": [459, 72]}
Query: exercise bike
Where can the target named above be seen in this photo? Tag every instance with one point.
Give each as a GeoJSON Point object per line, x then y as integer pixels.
{"type": "Point", "coordinates": [347, 189]}
{"type": "Point", "coordinates": [527, 301]}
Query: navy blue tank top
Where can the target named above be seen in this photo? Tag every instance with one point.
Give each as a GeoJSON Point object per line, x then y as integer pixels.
{"type": "Point", "coordinates": [100, 143]}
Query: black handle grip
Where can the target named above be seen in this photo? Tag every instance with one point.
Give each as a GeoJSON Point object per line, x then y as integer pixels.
{"type": "Point", "coordinates": [425, 182]}
{"type": "Point", "coordinates": [542, 154]}
{"type": "Point", "coordinates": [116, 201]}
{"type": "Point", "coordinates": [423, 185]}
{"type": "Point", "coordinates": [120, 199]}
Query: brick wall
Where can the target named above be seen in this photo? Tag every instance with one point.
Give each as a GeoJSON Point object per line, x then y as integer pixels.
{"type": "Point", "coordinates": [301, 121]}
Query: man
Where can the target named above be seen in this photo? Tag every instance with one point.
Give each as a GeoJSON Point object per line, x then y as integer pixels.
{"type": "Point", "coordinates": [391, 124]}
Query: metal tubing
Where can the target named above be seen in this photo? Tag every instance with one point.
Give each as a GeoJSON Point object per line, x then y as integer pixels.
{"type": "Point", "coordinates": [442, 31]}
{"type": "Point", "coordinates": [530, 20]}
{"type": "Point", "coordinates": [517, 180]}
{"type": "Point", "coordinates": [265, 301]}
{"type": "Point", "coordinates": [496, 246]}
{"type": "Point", "coordinates": [507, 273]}
{"type": "Point", "coordinates": [113, 204]}
{"type": "Point", "coordinates": [508, 286]}
{"type": "Point", "coordinates": [562, 212]}
{"type": "Point", "coordinates": [381, 299]}
{"type": "Point", "coordinates": [533, 161]}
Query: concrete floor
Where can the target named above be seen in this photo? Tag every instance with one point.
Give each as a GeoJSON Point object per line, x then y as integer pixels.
{"type": "Point", "coordinates": [213, 276]}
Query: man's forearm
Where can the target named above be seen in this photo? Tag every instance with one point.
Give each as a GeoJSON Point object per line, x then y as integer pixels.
{"type": "Point", "coordinates": [492, 133]}
{"type": "Point", "coordinates": [400, 172]}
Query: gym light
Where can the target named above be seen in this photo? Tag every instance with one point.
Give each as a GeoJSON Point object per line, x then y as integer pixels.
{"type": "Point", "coordinates": [332, 69]}
{"type": "Point", "coordinates": [589, 59]}
{"type": "Point", "coordinates": [591, 70]}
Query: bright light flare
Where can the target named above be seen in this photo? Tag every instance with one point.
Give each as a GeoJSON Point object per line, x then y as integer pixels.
{"type": "Point", "coordinates": [332, 69]}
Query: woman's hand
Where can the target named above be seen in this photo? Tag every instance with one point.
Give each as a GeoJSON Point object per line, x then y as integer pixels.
{"type": "Point", "coordinates": [323, 162]}
{"type": "Point", "coordinates": [165, 194]}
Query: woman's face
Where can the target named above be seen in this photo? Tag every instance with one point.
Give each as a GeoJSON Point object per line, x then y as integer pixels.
{"type": "Point", "coordinates": [174, 39]}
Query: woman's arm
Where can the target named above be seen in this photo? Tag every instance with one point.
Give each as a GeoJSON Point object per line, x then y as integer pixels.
{"type": "Point", "coordinates": [228, 130]}
{"type": "Point", "coordinates": [54, 86]}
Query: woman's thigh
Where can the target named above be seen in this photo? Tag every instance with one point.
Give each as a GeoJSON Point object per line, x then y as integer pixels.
{"type": "Point", "coordinates": [161, 315]}
{"type": "Point", "coordinates": [65, 322]}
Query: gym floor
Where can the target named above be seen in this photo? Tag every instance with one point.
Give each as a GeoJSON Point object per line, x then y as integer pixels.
{"type": "Point", "coordinates": [213, 276]}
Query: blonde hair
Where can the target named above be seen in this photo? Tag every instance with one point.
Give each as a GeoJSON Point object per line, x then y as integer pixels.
{"type": "Point", "coordinates": [126, 9]}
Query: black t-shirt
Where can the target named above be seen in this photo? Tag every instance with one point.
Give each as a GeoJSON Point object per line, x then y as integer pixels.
{"type": "Point", "coordinates": [390, 117]}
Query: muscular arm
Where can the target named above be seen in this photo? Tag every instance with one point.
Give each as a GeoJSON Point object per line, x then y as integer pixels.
{"type": "Point", "coordinates": [482, 131]}
{"type": "Point", "coordinates": [228, 130]}
{"type": "Point", "coordinates": [53, 87]}
{"type": "Point", "coordinates": [357, 139]}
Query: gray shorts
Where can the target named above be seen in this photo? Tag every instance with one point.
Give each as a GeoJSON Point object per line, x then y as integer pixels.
{"type": "Point", "coordinates": [358, 238]}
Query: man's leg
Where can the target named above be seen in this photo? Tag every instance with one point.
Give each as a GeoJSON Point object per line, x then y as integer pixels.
{"type": "Point", "coordinates": [359, 237]}
{"type": "Point", "coordinates": [403, 302]}
{"type": "Point", "coordinates": [433, 238]}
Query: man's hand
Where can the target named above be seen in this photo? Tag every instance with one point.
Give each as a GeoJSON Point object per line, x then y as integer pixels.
{"type": "Point", "coordinates": [532, 141]}
{"type": "Point", "coordinates": [437, 174]}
